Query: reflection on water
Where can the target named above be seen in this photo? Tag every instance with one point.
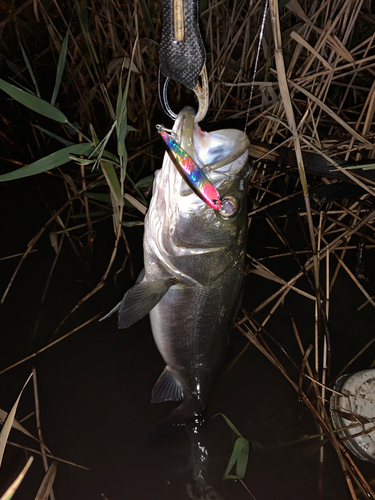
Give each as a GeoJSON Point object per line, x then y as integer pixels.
{"type": "Point", "coordinates": [183, 454]}
{"type": "Point", "coordinates": [198, 488]}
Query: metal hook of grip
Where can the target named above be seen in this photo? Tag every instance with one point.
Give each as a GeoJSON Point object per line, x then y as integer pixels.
{"type": "Point", "coordinates": [163, 94]}
{"type": "Point", "coordinates": [202, 93]}
{"type": "Point", "coordinates": [200, 90]}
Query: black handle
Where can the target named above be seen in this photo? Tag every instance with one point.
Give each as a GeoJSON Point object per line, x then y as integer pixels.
{"type": "Point", "coordinates": [182, 53]}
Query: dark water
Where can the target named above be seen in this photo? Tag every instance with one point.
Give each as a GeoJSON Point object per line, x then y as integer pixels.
{"type": "Point", "coordinates": [94, 387]}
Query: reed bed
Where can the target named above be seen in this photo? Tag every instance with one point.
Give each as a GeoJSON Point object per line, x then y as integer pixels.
{"type": "Point", "coordinates": [315, 95]}
{"type": "Point", "coordinates": [314, 92]}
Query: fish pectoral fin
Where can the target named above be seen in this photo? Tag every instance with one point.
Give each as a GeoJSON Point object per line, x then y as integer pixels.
{"type": "Point", "coordinates": [167, 388]}
{"type": "Point", "coordinates": [141, 275]}
{"type": "Point", "coordinates": [111, 312]}
{"type": "Point", "coordinates": [141, 299]}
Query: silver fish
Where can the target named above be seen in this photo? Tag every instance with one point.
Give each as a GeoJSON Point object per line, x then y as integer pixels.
{"type": "Point", "coordinates": [194, 263]}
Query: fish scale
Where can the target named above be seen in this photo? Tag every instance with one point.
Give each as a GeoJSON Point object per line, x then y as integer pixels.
{"type": "Point", "coordinates": [195, 359]}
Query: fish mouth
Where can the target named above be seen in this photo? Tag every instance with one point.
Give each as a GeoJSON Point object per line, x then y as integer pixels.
{"type": "Point", "coordinates": [219, 148]}
{"type": "Point", "coordinates": [220, 154]}
{"type": "Point", "coordinates": [211, 150]}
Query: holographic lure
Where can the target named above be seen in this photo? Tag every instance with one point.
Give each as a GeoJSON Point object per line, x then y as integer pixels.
{"type": "Point", "coordinates": [191, 172]}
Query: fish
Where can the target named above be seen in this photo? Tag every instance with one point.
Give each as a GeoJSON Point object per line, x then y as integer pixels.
{"type": "Point", "coordinates": [194, 257]}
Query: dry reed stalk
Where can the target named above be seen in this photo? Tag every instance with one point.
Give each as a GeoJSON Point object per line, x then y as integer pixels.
{"type": "Point", "coordinates": [365, 303]}
{"type": "Point", "coordinates": [347, 227]}
{"type": "Point", "coordinates": [292, 124]}
{"type": "Point", "coordinates": [48, 455]}
{"type": "Point", "coordinates": [351, 275]}
{"type": "Point", "coordinates": [263, 271]}
{"type": "Point", "coordinates": [52, 343]}
{"type": "Point", "coordinates": [345, 460]}
{"type": "Point", "coordinates": [34, 240]}
{"type": "Point", "coordinates": [39, 429]}
{"type": "Point", "coordinates": [309, 264]}
{"type": "Point", "coordinates": [330, 127]}
{"type": "Point", "coordinates": [57, 254]}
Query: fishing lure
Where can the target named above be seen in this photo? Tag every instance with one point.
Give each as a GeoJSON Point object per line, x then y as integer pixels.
{"type": "Point", "coordinates": [191, 172]}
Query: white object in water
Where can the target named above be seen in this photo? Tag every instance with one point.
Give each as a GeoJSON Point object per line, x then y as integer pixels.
{"type": "Point", "coordinates": [357, 403]}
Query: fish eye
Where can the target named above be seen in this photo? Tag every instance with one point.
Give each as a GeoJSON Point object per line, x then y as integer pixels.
{"type": "Point", "coordinates": [229, 208]}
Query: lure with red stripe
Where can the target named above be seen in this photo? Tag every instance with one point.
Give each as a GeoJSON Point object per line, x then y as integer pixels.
{"type": "Point", "coordinates": [192, 173]}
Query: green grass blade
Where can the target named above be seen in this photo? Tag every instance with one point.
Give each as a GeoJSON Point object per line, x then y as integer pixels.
{"type": "Point", "coordinates": [145, 182]}
{"type": "Point", "coordinates": [60, 66]}
{"type": "Point", "coordinates": [11, 65]}
{"type": "Point", "coordinates": [13, 487]}
{"type": "Point", "coordinates": [106, 198]}
{"type": "Point", "coordinates": [124, 157]}
{"type": "Point", "coordinates": [133, 224]}
{"type": "Point", "coordinates": [147, 18]}
{"type": "Point", "coordinates": [126, 90]}
{"type": "Point", "coordinates": [234, 429]}
{"type": "Point", "coordinates": [138, 190]}
{"type": "Point", "coordinates": [112, 180]}
{"type": "Point", "coordinates": [121, 133]}
{"type": "Point", "coordinates": [121, 114]}
{"type": "Point", "coordinates": [82, 12]}
{"type": "Point", "coordinates": [103, 197]}
{"type": "Point", "coordinates": [9, 422]}
{"type": "Point", "coordinates": [85, 161]}
{"type": "Point", "coordinates": [243, 457]}
{"type": "Point", "coordinates": [108, 101]}
{"type": "Point", "coordinates": [26, 59]}
{"type": "Point", "coordinates": [51, 134]}
{"type": "Point", "coordinates": [119, 101]}
{"type": "Point", "coordinates": [20, 86]}
{"type": "Point", "coordinates": [234, 456]}
{"type": "Point", "coordinates": [55, 159]}
{"type": "Point", "coordinates": [109, 171]}
{"type": "Point", "coordinates": [97, 213]}
{"type": "Point", "coordinates": [107, 155]}
{"type": "Point", "coordinates": [83, 15]}
{"type": "Point", "coordinates": [99, 148]}
{"type": "Point", "coordinates": [116, 211]}
{"type": "Point", "coordinates": [33, 102]}
{"type": "Point", "coordinates": [240, 454]}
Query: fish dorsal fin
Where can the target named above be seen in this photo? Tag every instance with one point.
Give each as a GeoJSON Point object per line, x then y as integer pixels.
{"type": "Point", "coordinates": [140, 300]}
{"type": "Point", "coordinates": [167, 388]}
